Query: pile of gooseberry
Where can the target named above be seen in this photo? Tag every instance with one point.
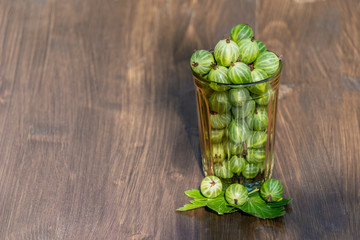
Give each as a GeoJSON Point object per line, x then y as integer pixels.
{"type": "Point", "coordinates": [238, 112]}
{"type": "Point", "coordinates": [236, 194]}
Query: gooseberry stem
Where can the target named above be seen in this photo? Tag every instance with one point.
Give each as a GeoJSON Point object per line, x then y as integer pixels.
{"type": "Point", "coordinates": [255, 190]}
{"type": "Point", "coordinates": [251, 66]}
{"type": "Point", "coordinates": [213, 65]}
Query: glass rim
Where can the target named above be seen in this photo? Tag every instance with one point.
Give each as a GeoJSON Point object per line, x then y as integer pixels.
{"type": "Point", "coordinates": [274, 75]}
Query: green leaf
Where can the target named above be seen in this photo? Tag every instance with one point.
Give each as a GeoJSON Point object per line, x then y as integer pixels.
{"type": "Point", "coordinates": [257, 207]}
{"type": "Point", "coordinates": [194, 204]}
{"type": "Point", "coordinates": [194, 193]}
{"type": "Point", "coordinates": [280, 203]}
{"type": "Point", "coordinates": [220, 205]}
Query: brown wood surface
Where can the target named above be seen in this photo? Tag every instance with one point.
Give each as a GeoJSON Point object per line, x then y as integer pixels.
{"type": "Point", "coordinates": [98, 127]}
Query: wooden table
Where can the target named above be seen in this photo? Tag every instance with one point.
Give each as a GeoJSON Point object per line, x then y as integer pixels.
{"type": "Point", "coordinates": [99, 136]}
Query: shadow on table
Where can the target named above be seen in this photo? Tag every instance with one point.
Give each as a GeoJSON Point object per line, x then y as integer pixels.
{"type": "Point", "coordinates": [235, 224]}
{"type": "Point", "coordinates": [188, 115]}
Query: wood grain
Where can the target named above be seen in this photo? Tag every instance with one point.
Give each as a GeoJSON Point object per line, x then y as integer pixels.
{"type": "Point", "coordinates": [98, 126]}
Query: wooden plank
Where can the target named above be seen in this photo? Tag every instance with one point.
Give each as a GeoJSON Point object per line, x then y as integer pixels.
{"type": "Point", "coordinates": [98, 125]}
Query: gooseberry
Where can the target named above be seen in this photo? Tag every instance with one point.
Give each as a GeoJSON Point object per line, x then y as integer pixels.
{"type": "Point", "coordinates": [238, 131]}
{"type": "Point", "coordinates": [239, 73]}
{"type": "Point", "coordinates": [255, 155]}
{"type": "Point", "coordinates": [260, 120]}
{"type": "Point", "coordinates": [219, 102]}
{"type": "Point", "coordinates": [226, 51]}
{"type": "Point", "coordinates": [236, 194]}
{"type": "Point", "coordinates": [240, 32]}
{"type": "Point", "coordinates": [211, 186]}
{"type": "Point", "coordinates": [222, 169]}
{"type": "Point", "coordinates": [250, 171]}
{"type": "Point", "coordinates": [239, 96]}
{"type": "Point", "coordinates": [261, 45]}
{"type": "Point", "coordinates": [258, 75]}
{"type": "Point", "coordinates": [249, 50]}
{"type": "Point", "coordinates": [219, 121]}
{"type": "Point", "coordinates": [237, 164]}
{"type": "Point", "coordinates": [244, 111]}
{"type": "Point", "coordinates": [268, 62]}
{"type": "Point", "coordinates": [271, 190]}
{"type": "Point", "coordinates": [218, 74]}
{"type": "Point", "coordinates": [218, 152]}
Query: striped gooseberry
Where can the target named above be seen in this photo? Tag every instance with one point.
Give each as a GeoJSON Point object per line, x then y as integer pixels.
{"type": "Point", "coordinates": [211, 186]}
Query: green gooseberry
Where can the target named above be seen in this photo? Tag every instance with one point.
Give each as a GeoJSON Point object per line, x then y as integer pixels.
{"type": "Point", "coordinates": [237, 164]}
{"type": "Point", "coordinates": [261, 167]}
{"type": "Point", "coordinates": [268, 62]}
{"type": "Point", "coordinates": [239, 73]}
{"type": "Point", "coordinates": [263, 99]}
{"type": "Point", "coordinates": [226, 51]}
{"type": "Point", "coordinates": [201, 61]}
{"type": "Point", "coordinates": [217, 135]}
{"type": "Point", "coordinates": [249, 50]}
{"type": "Point", "coordinates": [222, 169]}
{"type": "Point", "coordinates": [261, 45]}
{"type": "Point", "coordinates": [236, 194]}
{"type": "Point", "coordinates": [211, 187]}
{"type": "Point", "coordinates": [260, 119]}
{"type": "Point", "coordinates": [272, 190]}
{"type": "Point", "coordinates": [220, 121]}
{"type": "Point", "coordinates": [250, 171]}
{"type": "Point", "coordinates": [250, 121]}
{"type": "Point", "coordinates": [239, 96]}
{"type": "Point", "coordinates": [255, 155]}
{"type": "Point", "coordinates": [233, 148]}
{"type": "Point", "coordinates": [218, 152]}
{"type": "Point", "coordinates": [244, 111]}
{"type": "Point", "coordinates": [219, 102]}
{"type": "Point", "coordinates": [259, 88]}
{"type": "Point", "coordinates": [219, 74]}
{"type": "Point", "coordinates": [257, 139]}
{"type": "Point", "coordinates": [238, 131]}
{"type": "Point", "coordinates": [240, 32]}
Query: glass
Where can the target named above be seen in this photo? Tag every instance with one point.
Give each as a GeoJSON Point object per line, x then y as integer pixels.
{"type": "Point", "coordinates": [237, 129]}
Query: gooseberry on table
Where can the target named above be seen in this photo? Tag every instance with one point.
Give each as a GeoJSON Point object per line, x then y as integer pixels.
{"type": "Point", "coordinates": [236, 194]}
{"type": "Point", "coordinates": [271, 190]}
{"type": "Point", "coordinates": [211, 186]}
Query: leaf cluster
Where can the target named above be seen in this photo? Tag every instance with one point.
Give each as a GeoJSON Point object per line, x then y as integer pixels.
{"type": "Point", "coordinates": [255, 205]}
